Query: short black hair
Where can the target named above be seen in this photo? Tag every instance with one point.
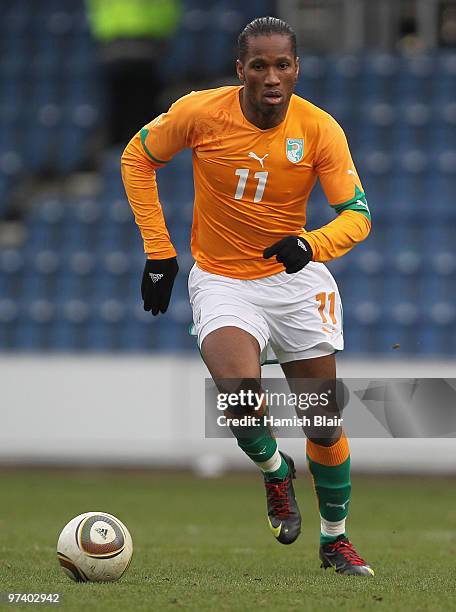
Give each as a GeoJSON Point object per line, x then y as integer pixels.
{"type": "Point", "coordinates": [265, 26]}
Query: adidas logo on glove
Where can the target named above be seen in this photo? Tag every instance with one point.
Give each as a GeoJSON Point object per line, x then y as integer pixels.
{"type": "Point", "coordinates": [155, 277]}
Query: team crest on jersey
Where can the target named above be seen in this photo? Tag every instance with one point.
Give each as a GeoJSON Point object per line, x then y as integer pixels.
{"type": "Point", "coordinates": [295, 149]}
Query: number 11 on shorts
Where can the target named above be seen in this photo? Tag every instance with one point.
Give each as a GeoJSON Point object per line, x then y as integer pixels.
{"type": "Point", "coordinates": [324, 298]}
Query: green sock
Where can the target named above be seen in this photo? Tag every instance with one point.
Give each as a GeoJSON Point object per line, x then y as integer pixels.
{"type": "Point", "coordinates": [324, 539]}
{"type": "Point", "coordinates": [333, 489]}
{"type": "Point", "coordinates": [279, 474]}
{"type": "Point", "coordinates": [262, 449]}
{"type": "Point", "coordinates": [260, 446]}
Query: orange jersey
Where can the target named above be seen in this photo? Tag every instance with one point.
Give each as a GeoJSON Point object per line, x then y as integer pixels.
{"type": "Point", "coordinates": [251, 185]}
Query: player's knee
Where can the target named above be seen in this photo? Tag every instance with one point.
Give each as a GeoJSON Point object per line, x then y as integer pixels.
{"type": "Point", "coordinates": [244, 406]}
{"type": "Point", "coordinates": [242, 397]}
{"type": "Point", "coordinates": [327, 438]}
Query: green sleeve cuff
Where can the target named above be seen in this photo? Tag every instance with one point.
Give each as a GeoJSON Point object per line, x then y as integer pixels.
{"type": "Point", "coordinates": [358, 203]}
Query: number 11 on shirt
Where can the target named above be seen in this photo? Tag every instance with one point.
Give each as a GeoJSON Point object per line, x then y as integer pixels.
{"type": "Point", "coordinates": [243, 174]}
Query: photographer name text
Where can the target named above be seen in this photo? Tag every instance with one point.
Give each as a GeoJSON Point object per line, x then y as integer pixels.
{"type": "Point", "coordinates": [271, 421]}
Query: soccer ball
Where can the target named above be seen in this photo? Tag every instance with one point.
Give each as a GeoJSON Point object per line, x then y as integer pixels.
{"type": "Point", "coordinates": [94, 547]}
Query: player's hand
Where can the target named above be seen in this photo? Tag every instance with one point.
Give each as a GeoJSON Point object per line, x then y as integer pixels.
{"type": "Point", "coordinates": [157, 283]}
{"type": "Point", "coordinates": [292, 251]}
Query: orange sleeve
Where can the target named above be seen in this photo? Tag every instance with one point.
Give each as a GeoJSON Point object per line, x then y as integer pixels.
{"type": "Point", "coordinates": [334, 164]}
{"type": "Point", "coordinates": [341, 184]}
{"type": "Point", "coordinates": [338, 237]}
{"type": "Point", "coordinates": [147, 151]}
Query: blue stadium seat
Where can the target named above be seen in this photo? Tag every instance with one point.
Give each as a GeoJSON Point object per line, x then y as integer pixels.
{"type": "Point", "coordinates": [444, 263]}
{"type": "Point", "coordinates": [378, 76]}
{"type": "Point", "coordinates": [64, 337]}
{"type": "Point", "coordinates": [355, 340]}
{"type": "Point", "coordinates": [81, 262]}
{"type": "Point", "coordinates": [27, 336]}
{"type": "Point", "coordinates": [9, 312]}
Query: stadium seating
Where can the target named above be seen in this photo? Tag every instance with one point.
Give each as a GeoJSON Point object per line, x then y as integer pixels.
{"type": "Point", "coordinates": [74, 282]}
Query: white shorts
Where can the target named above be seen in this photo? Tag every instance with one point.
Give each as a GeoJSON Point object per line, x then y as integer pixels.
{"type": "Point", "coordinates": [297, 316]}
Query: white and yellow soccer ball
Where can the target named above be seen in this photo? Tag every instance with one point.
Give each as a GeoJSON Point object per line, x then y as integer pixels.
{"type": "Point", "coordinates": [95, 547]}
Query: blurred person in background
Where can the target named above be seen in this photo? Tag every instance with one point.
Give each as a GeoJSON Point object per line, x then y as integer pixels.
{"type": "Point", "coordinates": [258, 150]}
{"type": "Point", "coordinates": [132, 38]}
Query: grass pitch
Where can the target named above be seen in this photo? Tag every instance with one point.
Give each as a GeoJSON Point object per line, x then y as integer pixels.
{"type": "Point", "coordinates": [204, 544]}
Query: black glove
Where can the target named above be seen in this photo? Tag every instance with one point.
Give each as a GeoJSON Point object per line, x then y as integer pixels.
{"type": "Point", "coordinates": [293, 251]}
{"type": "Point", "coordinates": [157, 283]}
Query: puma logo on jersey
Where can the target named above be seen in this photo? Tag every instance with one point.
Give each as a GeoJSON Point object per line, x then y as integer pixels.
{"type": "Point", "coordinates": [155, 277]}
{"type": "Point", "coordinates": [351, 172]}
{"type": "Point", "coordinates": [260, 159]}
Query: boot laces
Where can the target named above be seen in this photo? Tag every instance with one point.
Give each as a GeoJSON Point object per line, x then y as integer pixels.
{"type": "Point", "coordinates": [346, 548]}
{"type": "Point", "coordinates": [278, 497]}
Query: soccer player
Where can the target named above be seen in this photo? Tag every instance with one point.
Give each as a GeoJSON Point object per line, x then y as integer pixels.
{"type": "Point", "coordinates": [258, 150]}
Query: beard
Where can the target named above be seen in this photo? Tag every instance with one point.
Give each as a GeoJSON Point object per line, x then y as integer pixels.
{"type": "Point", "coordinates": [267, 110]}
